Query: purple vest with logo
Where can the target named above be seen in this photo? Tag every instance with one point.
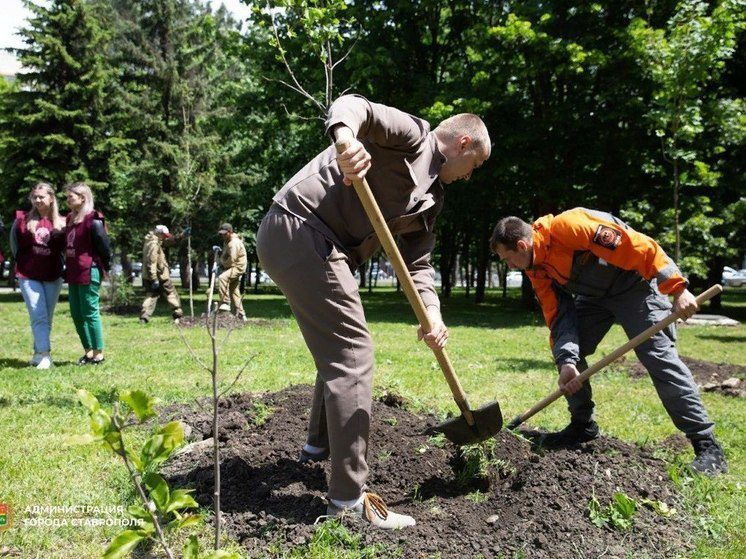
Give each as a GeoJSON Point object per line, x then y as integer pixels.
{"type": "Point", "coordinates": [79, 254]}
{"type": "Point", "coordinates": [39, 253]}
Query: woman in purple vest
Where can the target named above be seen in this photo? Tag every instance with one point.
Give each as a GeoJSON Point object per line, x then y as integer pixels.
{"type": "Point", "coordinates": [36, 241]}
{"type": "Point", "coordinates": [87, 258]}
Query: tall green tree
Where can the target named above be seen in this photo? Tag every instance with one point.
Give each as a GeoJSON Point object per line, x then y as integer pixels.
{"type": "Point", "coordinates": [683, 59]}
{"type": "Point", "coordinates": [172, 70]}
{"type": "Point", "coordinates": [54, 121]}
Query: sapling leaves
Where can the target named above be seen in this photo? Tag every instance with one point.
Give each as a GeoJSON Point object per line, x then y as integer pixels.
{"type": "Point", "coordinates": [158, 490]}
{"type": "Point", "coordinates": [160, 446]}
{"type": "Point", "coordinates": [140, 403]}
{"type": "Point", "coordinates": [191, 551]}
{"type": "Point", "coordinates": [158, 505]}
{"type": "Point", "coordinates": [123, 544]}
{"type": "Point", "coordinates": [88, 400]}
{"type": "Point", "coordinates": [181, 499]}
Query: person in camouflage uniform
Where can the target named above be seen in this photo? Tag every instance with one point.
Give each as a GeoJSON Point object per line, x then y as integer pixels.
{"type": "Point", "coordinates": [156, 279]}
{"type": "Point", "coordinates": [233, 263]}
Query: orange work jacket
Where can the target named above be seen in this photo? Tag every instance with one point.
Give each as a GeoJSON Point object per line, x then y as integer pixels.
{"type": "Point", "coordinates": [593, 254]}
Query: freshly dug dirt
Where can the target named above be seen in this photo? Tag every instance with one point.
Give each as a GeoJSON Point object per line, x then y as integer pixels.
{"type": "Point", "coordinates": [225, 320]}
{"type": "Point", "coordinates": [723, 378]}
{"type": "Point", "coordinates": [531, 501]}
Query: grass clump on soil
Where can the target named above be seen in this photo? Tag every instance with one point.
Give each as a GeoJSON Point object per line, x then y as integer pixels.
{"type": "Point", "coordinates": [499, 350]}
{"type": "Point", "coordinates": [619, 513]}
{"type": "Point", "coordinates": [259, 414]}
{"type": "Point", "coordinates": [480, 464]}
{"type": "Point", "coordinates": [333, 540]}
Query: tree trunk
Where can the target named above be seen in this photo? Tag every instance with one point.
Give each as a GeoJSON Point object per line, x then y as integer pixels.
{"type": "Point", "coordinates": [370, 277]}
{"type": "Point", "coordinates": [126, 266]}
{"type": "Point", "coordinates": [190, 274]}
{"type": "Point", "coordinates": [466, 268]}
{"type": "Point", "coordinates": [196, 267]}
{"type": "Point", "coordinates": [257, 277]}
{"type": "Point", "coordinates": [502, 272]}
{"type": "Point", "coordinates": [715, 275]}
{"type": "Point", "coordinates": [483, 264]}
{"type": "Point", "coordinates": [528, 301]}
{"type": "Point", "coordinates": [447, 260]}
{"type": "Point", "coordinates": [184, 265]}
{"type": "Point", "coordinates": [676, 186]}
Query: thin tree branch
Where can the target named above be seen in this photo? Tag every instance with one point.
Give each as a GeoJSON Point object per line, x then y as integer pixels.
{"type": "Point", "coordinates": [286, 84]}
{"type": "Point", "coordinates": [328, 75]}
{"type": "Point", "coordinates": [293, 115]}
{"type": "Point", "coordinates": [298, 87]}
{"type": "Point", "coordinates": [225, 338]}
{"type": "Point", "coordinates": [191, 351]}
{"type": "Point", "coordinates": [349, 50]}
{"type": "Point", "coordinates": [238, 376]}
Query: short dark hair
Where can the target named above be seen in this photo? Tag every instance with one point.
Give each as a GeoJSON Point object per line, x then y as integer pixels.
{"type": "Point", "coordinates": [508, 231]}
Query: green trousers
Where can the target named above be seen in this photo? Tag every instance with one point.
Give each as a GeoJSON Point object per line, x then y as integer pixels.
{"type": "Point", "coordinates": [85, 312]}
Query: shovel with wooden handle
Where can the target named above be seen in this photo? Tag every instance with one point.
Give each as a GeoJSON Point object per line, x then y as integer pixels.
{"type": "Point", "coordinates": [613, 356]}
{"type": "Point", "coordinates": [473, 425]}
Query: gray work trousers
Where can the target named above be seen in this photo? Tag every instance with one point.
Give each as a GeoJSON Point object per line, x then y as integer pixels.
{"type": "Point", "coordinates": [323, 294]}
{"type": "Point", "coordinates": [636, 310]}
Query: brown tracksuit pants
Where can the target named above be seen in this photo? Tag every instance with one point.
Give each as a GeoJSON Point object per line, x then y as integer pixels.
{"type": "Point", "coordinates": [323, 295]}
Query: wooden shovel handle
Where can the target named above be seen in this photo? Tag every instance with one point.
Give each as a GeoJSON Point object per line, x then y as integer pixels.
{"type": "Point", "coordinates": [405, 279]}
{"type": "Point", "coordinates": [614, 355]}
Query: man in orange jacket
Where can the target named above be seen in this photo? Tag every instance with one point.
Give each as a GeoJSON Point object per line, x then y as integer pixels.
{"type": "Point", "coordinates": [589, 269]}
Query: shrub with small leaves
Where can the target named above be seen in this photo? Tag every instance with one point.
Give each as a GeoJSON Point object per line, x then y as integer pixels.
{"type": "Point", "coordinates": [161, 509]}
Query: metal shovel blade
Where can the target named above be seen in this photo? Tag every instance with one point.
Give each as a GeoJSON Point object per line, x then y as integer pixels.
{"type": "Point", "coordinates": [488, 420]}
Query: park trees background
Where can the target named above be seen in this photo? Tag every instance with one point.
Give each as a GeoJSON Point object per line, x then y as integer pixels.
{"type": "Point", "coordinates": [178, 114]}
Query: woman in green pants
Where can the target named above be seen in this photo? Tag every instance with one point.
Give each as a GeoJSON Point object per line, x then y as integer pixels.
{"type": "Point", "coordinates": [87, 258]}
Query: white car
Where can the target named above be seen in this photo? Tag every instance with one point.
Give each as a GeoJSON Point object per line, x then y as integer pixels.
{"type": "Point", "coordinates": [263, 278]}
{"type": "Point", "coordinates": [727, 272]}
{"type": "Point", "coordinates": [514, 279]}
{"type": "Point", "coordinates": [736, 279]}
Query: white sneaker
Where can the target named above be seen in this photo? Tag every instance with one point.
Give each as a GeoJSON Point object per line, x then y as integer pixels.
{"type": "Point", "coordinates": [45, 363]}
{"type": "Point", "coordinates": [373, 510]}
{"type": "Point", "coordinates": [34, 361]}
{"type": "Point", "coordinates": [224, 307]}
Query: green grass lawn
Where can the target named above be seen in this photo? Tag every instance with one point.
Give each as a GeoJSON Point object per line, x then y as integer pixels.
{"type": "Point", "coordinates": [499, 351]}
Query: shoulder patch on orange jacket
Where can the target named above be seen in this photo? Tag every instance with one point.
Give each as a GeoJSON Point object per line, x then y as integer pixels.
{"type": "Point", "coordinates": [607, 237]}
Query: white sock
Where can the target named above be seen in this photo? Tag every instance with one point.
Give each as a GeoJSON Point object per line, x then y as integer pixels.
{"type": "Point", "coordinates": [348, 504]}
{"type": "Point", "coordinates": [310, 449]}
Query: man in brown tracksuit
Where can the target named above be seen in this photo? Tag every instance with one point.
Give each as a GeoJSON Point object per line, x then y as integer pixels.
{"type": "Point", "coordinates": [156, 277]}
{"type": "Point", "coordinates": [233, 262]}
{"type": "Point", "coordinates": [317, 233]}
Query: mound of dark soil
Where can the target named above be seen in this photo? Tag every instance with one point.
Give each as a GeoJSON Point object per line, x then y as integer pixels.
{"type": "Point", "coordinates": [225, 320]}
{"type": "Point", "coordinates": [531, 503]}
{"type": "Point", "coordinates": [724, 378]}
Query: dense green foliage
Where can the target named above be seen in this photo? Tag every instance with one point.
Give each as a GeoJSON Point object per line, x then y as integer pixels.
{"type": "Point", "coordinates": [181, 115]}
